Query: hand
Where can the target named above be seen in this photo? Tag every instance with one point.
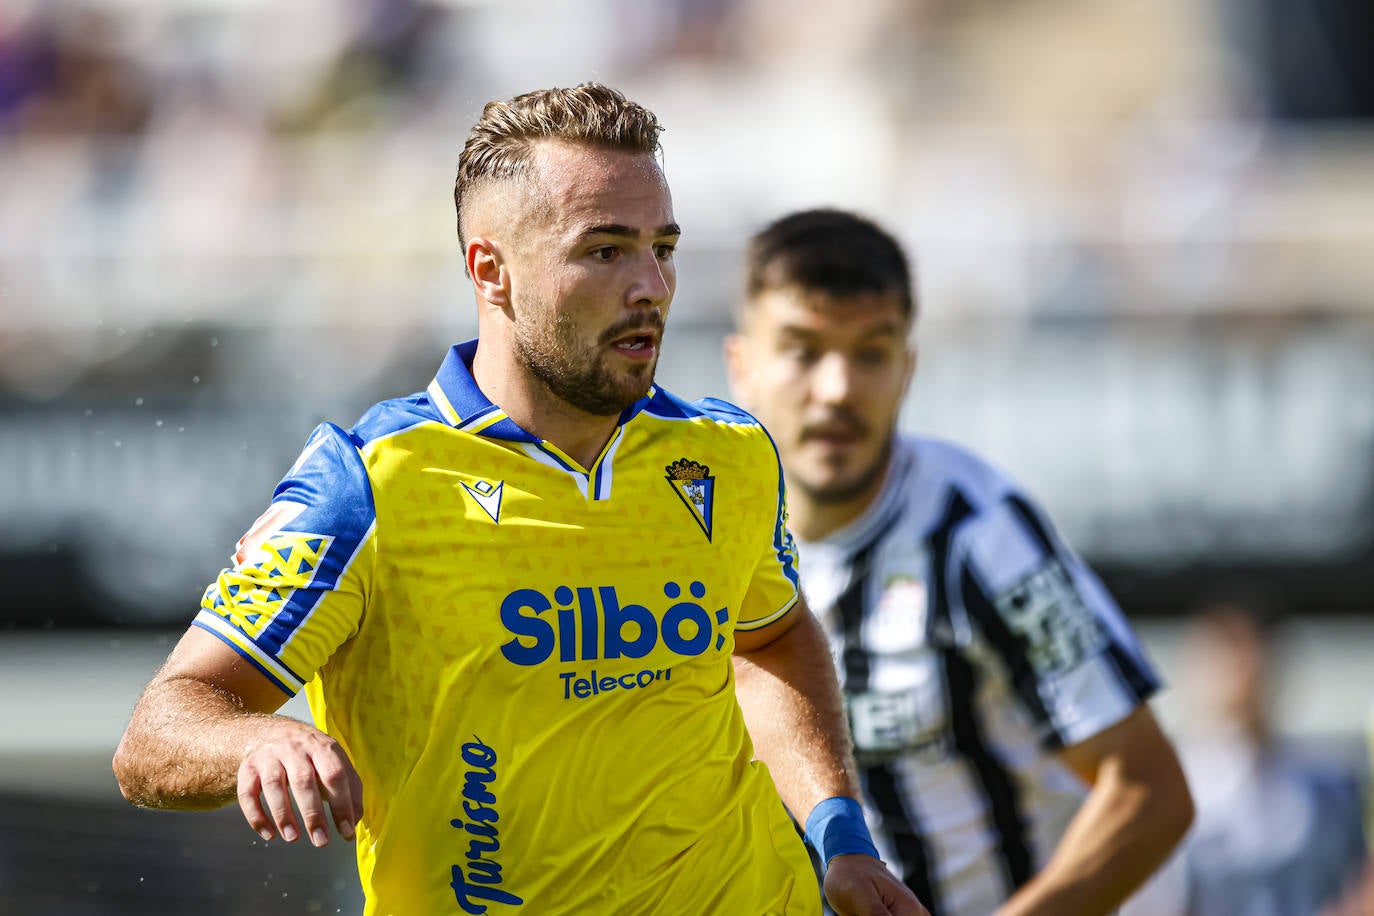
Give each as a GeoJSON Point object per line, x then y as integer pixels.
{"type": "Point", "coordinates": [860, 885]}
{"type": "Point", "coordinates": [310, 767]}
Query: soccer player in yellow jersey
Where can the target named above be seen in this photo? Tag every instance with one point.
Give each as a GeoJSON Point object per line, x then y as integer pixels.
{"type": "Point", "coordinates": [534, 605]}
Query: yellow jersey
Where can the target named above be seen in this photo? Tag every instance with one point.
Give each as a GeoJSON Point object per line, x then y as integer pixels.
{"type": "Point", "coordinates": [529, 662]}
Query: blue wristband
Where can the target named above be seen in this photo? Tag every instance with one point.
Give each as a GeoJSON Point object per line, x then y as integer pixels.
{"type": "Point", "coordinates": [836, 827]}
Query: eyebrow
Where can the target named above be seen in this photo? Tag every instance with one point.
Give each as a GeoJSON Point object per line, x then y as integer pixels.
{"type": "Point", "coordinates": [629, 231]}
{"type": "Point", "coordinates": [887, 329]}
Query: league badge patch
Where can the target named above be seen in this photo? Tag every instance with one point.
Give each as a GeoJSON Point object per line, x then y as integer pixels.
{"type": "Point", "coordinates": [694, 485]}
{"type": "Point", "coordinates": [1046, 610]}
{"type": "Point", "coordinates": [249, 551]}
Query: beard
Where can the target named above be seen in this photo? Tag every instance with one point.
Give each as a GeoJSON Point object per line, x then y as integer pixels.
{"type": "Point", "coordinates": [844, 491]}
{"type": "Point", "coordinates": [577, 373]}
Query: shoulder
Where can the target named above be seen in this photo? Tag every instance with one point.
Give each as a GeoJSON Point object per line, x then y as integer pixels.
{"type": "Point", "coordinates": [333, 466]}
{"type": "Point", "coordinates": [667, 406]}
{"type": "Point", "coordinates": [949, 488]}
{"type": "Point", "coordinates": [390, 417]}
{"type": "Point", "coordinates": [329, 472]}
{"type": "Point", "coordinates": [727, 438]}
{"type": "Point", "coordinates": [323, 505]}
{"type": "Point", "coordinates": [1004, 535]}
{"type": "Point", "coordinates": [941, 463]}
{"type": "Point", "coordinates": [713, 419]}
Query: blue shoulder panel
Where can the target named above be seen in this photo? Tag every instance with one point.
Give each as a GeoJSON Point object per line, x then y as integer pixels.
{"type": "Point", "coordinates": [668, 406]}
{"type": "Point", "coordinates": [394, 415]}
{"type": "Point", "coordinates": [724, 410]}
{"type": "Point", "coordinates": [330, 481]}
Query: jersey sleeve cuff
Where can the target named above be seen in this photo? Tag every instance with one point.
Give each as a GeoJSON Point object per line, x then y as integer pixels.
{"type": "Point", "coordinates": [280, 675]}
{"type": "Point", "coordinates": [759, 623]}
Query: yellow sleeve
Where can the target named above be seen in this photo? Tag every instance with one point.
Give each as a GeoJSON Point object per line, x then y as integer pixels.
{"type": "Point", "coordinates": [775, 587]}
{"type": "Point", "coordinates": [300, 576]}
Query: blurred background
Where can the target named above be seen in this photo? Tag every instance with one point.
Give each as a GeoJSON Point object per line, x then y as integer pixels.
{"type": "Point", "coordinates": [1144, 231]}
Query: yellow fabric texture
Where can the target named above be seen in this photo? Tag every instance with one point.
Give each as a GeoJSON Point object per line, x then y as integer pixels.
{"type": "Point", "coordinates": [529, 664]}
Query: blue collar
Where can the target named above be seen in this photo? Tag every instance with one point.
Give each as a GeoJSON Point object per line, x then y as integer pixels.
{"type": "Point", "coordinates": [458, 399]}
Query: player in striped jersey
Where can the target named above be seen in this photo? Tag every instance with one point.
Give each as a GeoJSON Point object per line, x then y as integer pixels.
{"type": "Point", "coordinates": [996, 696]}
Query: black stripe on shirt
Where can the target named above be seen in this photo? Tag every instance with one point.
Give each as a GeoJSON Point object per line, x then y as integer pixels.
{"type": "Point", "coordinates": [1001, 793]}
{"type": "Point", "coordinates": [880, 782]}
{"type": "Point", "coordinates": [1133, 678]}
{"type": "Point", "coordinates": [938, 542]}
{"type": "Point", "coordinates": [1011, 649]}
{"type": "Point", "coordinates": [1003, 796]}
{"type": "Point", "coordinates": [881, 785]}
{"type": "Point", "coordinates": [1022, 507]}
{"type": "Point", "coordinates": [1137, 681]}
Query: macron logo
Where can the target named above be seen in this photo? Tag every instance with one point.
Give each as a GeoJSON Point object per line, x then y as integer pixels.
{"type": "Point", "coordinates": [488, 496]}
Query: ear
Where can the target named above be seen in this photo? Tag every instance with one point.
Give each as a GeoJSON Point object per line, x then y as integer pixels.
{"type": "Point", "coordinates": [912, 357]}
{"type": "Point", "coordinates": [489, 271]}
{"type": "Point", "coordinates": [736, 364]}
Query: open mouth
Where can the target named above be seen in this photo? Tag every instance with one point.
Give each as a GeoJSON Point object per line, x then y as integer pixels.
{"type": "Point", "coordinates": [639, 346]}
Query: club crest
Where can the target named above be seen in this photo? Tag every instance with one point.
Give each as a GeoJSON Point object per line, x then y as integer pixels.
{"type": "Point", "coordinates": [694, 485]}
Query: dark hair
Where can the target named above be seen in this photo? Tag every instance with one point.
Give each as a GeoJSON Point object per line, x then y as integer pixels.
{"type": "Point", "coordinates": [831, 252]}
{"type": "Point", "coordinates": [501, 143]}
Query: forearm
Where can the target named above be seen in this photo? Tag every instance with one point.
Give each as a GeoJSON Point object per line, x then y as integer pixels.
{"type": "Point", "coordinates": [791, 702]}
{"type": "Point", "coordinates": [1121, 835]}
{"type": "Point", "coordinates": [184, 745]}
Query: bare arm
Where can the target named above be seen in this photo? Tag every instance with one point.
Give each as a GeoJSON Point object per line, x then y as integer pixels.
{"type": "Point", "coordinates": [1137, 811]}
{"type": "Point", "coordinates": [204, 733]}
{"type": "Point", "coordinates": [791, 701]}
{"type": "Point", "coordinates": [786, 685]}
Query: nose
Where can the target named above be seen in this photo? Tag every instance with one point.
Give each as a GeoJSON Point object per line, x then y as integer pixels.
{"type": "Point", "coordinates": [832, 379]}
{"type": "Point", "coordinates": [654, 283]}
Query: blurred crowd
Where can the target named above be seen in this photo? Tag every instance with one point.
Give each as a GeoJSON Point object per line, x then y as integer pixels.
{"type": "Point", "coordinates": [202, 158]}
{"type": "Point", "coordinates": [224, 220]}
{"type": "Point", "coordinates": [230, 219]}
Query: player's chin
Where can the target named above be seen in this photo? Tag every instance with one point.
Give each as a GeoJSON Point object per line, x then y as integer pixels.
{"type": "Point", "coordinates": [635, 378]}
{"type": "Point", "coordinates": [629, 390]}
{"type": "Point", "coordinates": [636, 361]}
{"type": "Point", "coordinates": [829, 484]}
{"type": "Point", "coordinates": [832, 463]}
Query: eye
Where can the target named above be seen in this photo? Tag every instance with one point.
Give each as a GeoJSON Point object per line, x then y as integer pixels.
{"type": "Point", "coordinates": [872, 357]}
{"type": "Point", "coordinates": [664, 252]}
{"type": "Point", "coordinates": [605, 253]}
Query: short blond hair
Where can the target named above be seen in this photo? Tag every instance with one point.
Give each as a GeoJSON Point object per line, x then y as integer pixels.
{"type": "Point", "coordinates": [501, 144]}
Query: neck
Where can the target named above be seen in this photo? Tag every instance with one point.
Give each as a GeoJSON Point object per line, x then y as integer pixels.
{"type": "Point", "coordinates": [527, 400]}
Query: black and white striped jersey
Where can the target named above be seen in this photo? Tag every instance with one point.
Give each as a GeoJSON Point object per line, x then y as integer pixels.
{"type": "Point", "coordinates": [971, 643]}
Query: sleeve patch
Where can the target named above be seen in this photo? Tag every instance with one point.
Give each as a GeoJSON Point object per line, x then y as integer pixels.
{"type": "Point", "coordinates": [1046, 610]}
{"type": "Point", "coordinates": [269, 566]}
{"type": "Point", "coordinates": [247, 551]}
{"type": "Point", "coordinates": [250, 597]}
